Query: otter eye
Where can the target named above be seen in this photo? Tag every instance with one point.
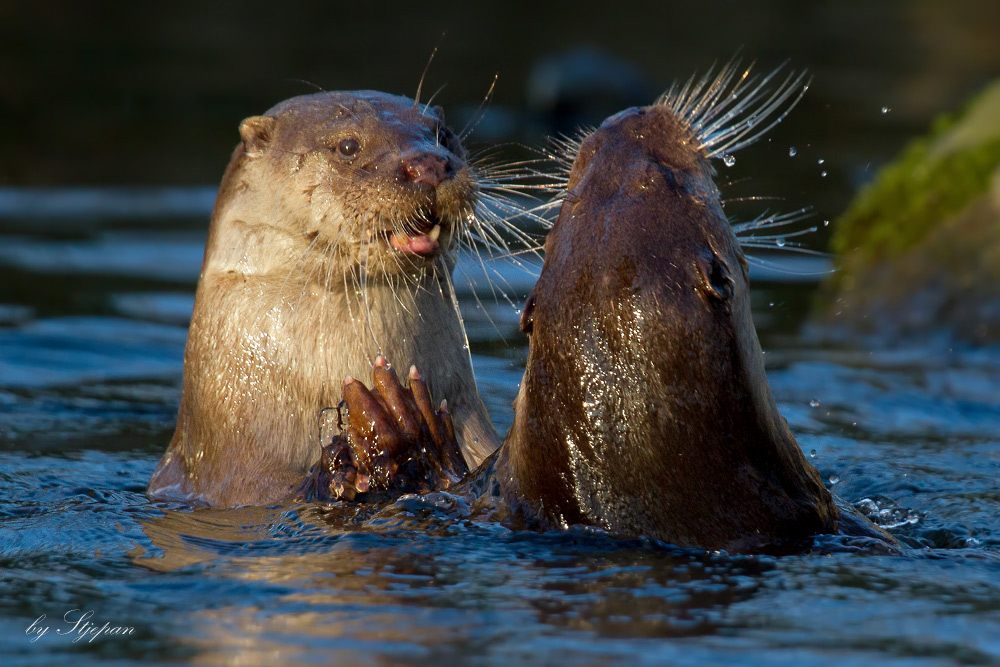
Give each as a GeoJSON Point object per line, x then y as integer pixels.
{"type": "Point", "coordinates": [349, 147]}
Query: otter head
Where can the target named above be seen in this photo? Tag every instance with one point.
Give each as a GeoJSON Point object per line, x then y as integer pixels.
{"type": "Point", "coordinates": [355, 179]}
{"type": "Point", "coordinates": [644, 407]}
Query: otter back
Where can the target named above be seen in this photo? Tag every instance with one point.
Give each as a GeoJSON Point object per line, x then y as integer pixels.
{"type": "Point", "coordinates": [644, 407]}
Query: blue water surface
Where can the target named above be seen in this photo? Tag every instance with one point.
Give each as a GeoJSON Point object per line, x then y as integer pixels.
{"type": "Point", "coordinates": [90, 370]}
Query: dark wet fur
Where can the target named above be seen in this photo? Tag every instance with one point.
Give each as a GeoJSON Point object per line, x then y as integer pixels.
{"type": "Point", "coordinates": [644, 407]}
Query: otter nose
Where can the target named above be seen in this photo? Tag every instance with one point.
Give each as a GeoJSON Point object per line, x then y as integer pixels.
{"type": "Point", "coordinates": [425, 170]}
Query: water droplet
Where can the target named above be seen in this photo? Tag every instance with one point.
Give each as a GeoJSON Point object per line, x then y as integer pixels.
{"type": "Point", "coordinates": [886, 110]}
{"type": "Point", "coordinates": [826, 223]}
{"type": "Point", "coordinates": [834, 479]}
{"type": "Point", "coordinates": [728, 160]}
{"type": "Point", "coordinates": [820, 161]}
{"type": "Point", "coordinates": [792, 151]}
{"type": "Point", "coordinates": [771, 304]}
{"type": "Point", "coordinates": [814, 403]}
{"type": "Point", "coordinates": [812, 453]}
{"type": "Point", "coordinates": [779, 242]}
{"type": "Point", "coordinates": [822, 174]}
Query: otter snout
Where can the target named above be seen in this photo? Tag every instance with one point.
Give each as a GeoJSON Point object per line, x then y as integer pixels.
{"type": "Point", "coordinates": [424, 171]}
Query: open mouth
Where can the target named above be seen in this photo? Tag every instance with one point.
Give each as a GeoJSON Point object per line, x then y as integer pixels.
{"type": "Point", "coordinates": [421, 240]}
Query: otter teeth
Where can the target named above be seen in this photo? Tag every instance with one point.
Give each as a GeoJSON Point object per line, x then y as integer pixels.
{"type": "Point", "coordinates": [435, 233]}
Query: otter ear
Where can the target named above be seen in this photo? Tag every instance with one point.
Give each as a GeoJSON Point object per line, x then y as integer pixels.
{"type": "Point", "coordinates": [716, 280]}
{"type": "Point", "coordinates": [744, 267]}
{"type": "Point", "coordinates": [439, 112]}
{"type": "Point", "coordinates": [256, 132]}
{"type": "Point", "coordinates": [528, 315]}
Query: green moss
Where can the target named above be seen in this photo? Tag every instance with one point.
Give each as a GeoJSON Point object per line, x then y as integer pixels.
{"type": "Point", "coordinates": [912, 196]}
{"type": "Point", "coordinates": [919, 248]}
{"type": "Point", "coordinates": [934, 179]}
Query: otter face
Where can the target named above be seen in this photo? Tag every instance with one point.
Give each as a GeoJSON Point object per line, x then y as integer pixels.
{"type": "Point", "coordinates": [366, 179]}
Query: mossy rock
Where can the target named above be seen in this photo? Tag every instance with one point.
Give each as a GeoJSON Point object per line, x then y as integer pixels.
{"type": "Point", "coordinates": [918, 251]}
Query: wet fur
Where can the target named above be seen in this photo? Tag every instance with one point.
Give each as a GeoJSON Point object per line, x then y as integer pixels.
{"type": "Point", "coordinates": [644, 407]}
{"type": "Point", "coordinates": [299, 289]}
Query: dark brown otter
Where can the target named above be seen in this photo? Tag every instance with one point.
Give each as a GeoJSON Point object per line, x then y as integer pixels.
{"type": "Point", "coordinates": [644, 407]}
{"type": "Point", "coordinates": [332, 240]}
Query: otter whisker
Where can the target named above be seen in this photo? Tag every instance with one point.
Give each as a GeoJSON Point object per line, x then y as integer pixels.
{"type": "Point", "coordinates": [514, 210]}
{"type": "Point", "coordinates": [563, 150]}
{"type": "Point", "coordinates": [365, 294]}
{"type": "Point", "coordinates": [734, 124]}
{"type": "Point", "coordinates": [397, 293]}
{"type": "Point", "coordinates": [779, 268]}
{"type": "Point", "coordinates": [482, 306]}
{"type": "Point", "coordinates": [449, 282]}
{"type": "Point", "coordinates": [727, 112]}
{"type": "Point", "coordinates": [495, 243]}
{"type": "Point", "coordinates": [480, 112]}
{"type": "Point", "coordinates": [309, 248]}
{"type": "Point", "coordinates": [737, 200]}
{"type": "Point", "coordinates": [770, 221]}
{"type": "Point", "coordinates": [423, 76]}
{"type": "Point", "coordinates": [482, 265]}
{"type": "Point", "coordinates": [488, 237]}
{"type": "Point", "coordinates": [431, 100]}
{"type": "Point", "coordinates": [790, 246]}
{"type": "Point", "coordinates": [749, 233]}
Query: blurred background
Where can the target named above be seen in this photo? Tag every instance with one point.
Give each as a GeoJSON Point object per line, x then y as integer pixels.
{"type": "Point", "coordinates": [121, 93]}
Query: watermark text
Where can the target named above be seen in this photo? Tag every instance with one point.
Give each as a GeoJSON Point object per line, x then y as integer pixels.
{"type": "Point", "coordinates": [78, 624]}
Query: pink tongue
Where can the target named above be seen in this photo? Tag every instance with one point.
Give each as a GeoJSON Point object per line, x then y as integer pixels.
{"type": "Point", "coordinates": [419, 244]}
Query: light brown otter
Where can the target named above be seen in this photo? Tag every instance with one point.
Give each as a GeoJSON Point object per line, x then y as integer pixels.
{"type": "Point", "coordinates": [332, 240]}
{"type": "Point", "coordinates": [644, 407]}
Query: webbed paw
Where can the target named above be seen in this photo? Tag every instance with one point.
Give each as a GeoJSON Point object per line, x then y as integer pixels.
{"type": "Point", "coordinates": [392, 442]}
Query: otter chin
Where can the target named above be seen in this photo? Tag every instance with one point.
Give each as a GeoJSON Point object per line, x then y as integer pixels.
{"type": "Point", "coordinates": [333, 239]}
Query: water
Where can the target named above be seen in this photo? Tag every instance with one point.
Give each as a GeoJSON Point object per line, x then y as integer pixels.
{"type": "Point", "coordinates": [90, 369]}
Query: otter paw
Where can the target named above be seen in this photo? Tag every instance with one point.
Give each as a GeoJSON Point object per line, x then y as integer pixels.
{"type": "Point", "coordinates": [393, 441]}
{"type": "Point", "coordinates": [397, 437]}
